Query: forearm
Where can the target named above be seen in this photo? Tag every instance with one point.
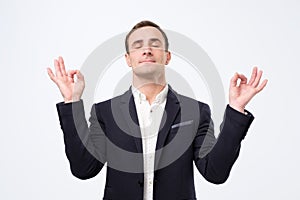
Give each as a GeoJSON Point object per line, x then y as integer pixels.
{"type": "Point", "coordinates": [216, 164]}
{"type": "Point", "coordinates": [78, 144]}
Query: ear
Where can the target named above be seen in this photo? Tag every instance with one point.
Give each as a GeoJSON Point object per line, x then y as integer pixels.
{"type": "Point", "coordinates": [168, 58]}
{"type": "Point", "coordinates": [127, 58]}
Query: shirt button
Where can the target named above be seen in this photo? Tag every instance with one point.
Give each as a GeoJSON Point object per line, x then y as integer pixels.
{"type": "Point", "coordinates": [141, 183]}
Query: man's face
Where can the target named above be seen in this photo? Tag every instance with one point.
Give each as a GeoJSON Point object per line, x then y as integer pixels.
{"type": "Point", "coordinates": [147, 46]}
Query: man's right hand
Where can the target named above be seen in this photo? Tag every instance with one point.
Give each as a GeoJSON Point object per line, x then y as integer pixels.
{"type": "Point", "coordinates": [70, 89]}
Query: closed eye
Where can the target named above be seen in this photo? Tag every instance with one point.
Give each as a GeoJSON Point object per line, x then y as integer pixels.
{"type": "Point", "coordinates": [137, 44]}
{"type": "Point", "coordinates": [155, 45]}
{"type": "Point", "coordinates": [154, 42]}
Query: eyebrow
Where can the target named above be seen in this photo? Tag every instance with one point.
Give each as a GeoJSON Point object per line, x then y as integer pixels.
{"type": "Point", "coordinates": [155, 40]}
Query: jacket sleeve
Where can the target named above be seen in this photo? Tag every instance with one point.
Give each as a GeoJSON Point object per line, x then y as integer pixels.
{"type": "Point", "coordinates": [213, 157]}
{"type": "Point", "coordinates": [84, 146]}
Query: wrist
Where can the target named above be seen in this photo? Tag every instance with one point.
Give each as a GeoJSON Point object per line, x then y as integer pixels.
{"type": "Point", "coordinates": [238, 108]}
{"type": "Point", "coordinates": [70, 100]}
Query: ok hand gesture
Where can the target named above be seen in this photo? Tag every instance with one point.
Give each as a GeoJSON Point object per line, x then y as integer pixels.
{"type": "Point", "coordinates": [70, 89]}
{"type": "Point", "coordinates": [240, 94]}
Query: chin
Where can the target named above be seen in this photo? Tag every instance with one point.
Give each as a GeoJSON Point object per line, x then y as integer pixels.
{"type": "Point", "coordinates": [149, 70]}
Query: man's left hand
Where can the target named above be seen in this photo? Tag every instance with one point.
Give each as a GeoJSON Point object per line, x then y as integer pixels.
{"type": "Point", "coordinates": [241, 93]}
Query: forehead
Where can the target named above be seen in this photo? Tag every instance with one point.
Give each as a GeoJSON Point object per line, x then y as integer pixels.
{"type": "Point", "coordinates": [145, 33]}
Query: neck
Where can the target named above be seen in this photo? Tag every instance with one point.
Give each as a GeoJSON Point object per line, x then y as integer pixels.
{"type": "Point", "coordinates": [149, 88]}
{"type": "Point", "coordinates": [149, 79]}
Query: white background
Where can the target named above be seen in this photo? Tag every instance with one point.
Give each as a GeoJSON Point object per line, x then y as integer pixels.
{"type": "Point", "coordinates": [235, 34]}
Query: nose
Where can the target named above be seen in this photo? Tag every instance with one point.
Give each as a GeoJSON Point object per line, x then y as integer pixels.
{"type": "Point", "coordinates": [147, 51]}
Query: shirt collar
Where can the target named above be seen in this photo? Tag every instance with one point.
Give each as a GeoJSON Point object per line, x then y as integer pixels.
{"type": "Point", "coordinates": [160, 97]}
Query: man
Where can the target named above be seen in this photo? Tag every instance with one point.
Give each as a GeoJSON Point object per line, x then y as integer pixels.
{"type": "Point", "coordinates": [150, 135]}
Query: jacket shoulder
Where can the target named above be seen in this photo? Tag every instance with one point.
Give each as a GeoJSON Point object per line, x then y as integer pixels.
{"type": "Point", "coordinates": [189, 100]}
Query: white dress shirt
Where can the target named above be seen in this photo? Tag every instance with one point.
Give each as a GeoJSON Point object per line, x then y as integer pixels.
{"type": "Point", "coordinates": [149, 117]}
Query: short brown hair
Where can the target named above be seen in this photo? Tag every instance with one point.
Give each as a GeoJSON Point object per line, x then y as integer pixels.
{"type": "Point", "coordinates": [143, 24]}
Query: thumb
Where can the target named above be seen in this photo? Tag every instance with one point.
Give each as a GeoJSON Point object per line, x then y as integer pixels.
{"type": "Point", "coordinates": [79, 75]}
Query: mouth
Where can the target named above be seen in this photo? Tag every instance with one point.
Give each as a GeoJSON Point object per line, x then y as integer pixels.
{"type": "Point", "coordinates": [147, 61]}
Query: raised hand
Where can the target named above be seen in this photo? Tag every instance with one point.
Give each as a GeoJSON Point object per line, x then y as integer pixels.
{"type": "Point", "coordinates": [240, 94]}
{"type": "Point", "coordinates": [70, 89]}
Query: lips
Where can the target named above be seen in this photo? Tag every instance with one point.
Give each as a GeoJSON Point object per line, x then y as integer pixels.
{"type": "Point", "coordinates": [147, 61]}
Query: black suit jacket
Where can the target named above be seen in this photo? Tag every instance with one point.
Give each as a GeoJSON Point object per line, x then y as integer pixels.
{"type": "Point", "coordinates": [186, 134]}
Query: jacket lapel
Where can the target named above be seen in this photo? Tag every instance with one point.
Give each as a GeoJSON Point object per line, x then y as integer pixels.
{"type": "Point", "coordinates": [172, 109]}
{"type": "Point", "coordinates": [128, 110]}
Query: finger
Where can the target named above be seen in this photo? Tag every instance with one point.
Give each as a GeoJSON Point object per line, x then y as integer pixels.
{"type": "Point", "coordinates": [57, 68]}
{"type": "Point", "coordinates": [62, 65]}
{"type": "Point", "coordinates": [233, 80]}
{"type": "Point", "coordinates": [262, 85]}
{"type": "Point", "coordinates": [79, 75]}
{"type": "Point", "coordinates": [71, 74]}
{"type": "Point", "coordinates": [243, 79]}
{"type": "Point", "coordinates": [51, 75]}
{"type": "Point", "coordinates": [257, 78]}
{"type": "Point", "coordinates": [253, 76]}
